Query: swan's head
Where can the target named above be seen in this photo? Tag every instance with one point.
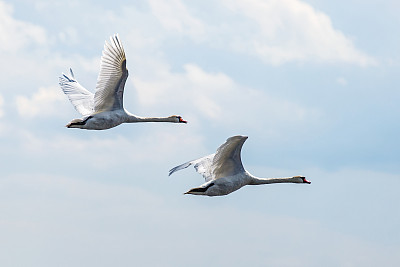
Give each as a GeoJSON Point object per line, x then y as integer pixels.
{"type": "Point", "coordinates": [177, 119]}
{"type": "Point", "coordinates": [301, 180]}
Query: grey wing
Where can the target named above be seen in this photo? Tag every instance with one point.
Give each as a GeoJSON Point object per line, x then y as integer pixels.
{"type": "Point", "coordinates": [80, 98]}
{"type": "Point", "coordinates": [112, 77]}
{"type": "Point", "coordinates": [227, 160]}
{"type": "Point", "coordinates": [202, 166]}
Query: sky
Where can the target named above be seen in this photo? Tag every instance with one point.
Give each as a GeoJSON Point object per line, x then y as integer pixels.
{"type": "Point", "coordinates": [314, 84]}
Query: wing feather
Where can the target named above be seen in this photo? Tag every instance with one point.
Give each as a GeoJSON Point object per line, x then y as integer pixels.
{"type": "Point", "coordinates": [201, 165]}
{"type": "Point", "coordinates": [227, 160]}
{"type": "Point", "coordinates": [80, 98]}
{"type": "Point", "coordinates": [112, 77]}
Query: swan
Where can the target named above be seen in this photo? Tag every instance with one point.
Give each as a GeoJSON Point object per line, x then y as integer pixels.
{"type": "Point", "coordinates": [104, 109]}
{"type": "Point", "coordinates": [224, 172]}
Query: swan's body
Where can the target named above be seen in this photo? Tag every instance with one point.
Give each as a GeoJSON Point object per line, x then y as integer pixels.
{"type": "Point", "coordinates": [224, 172]}
{"type": "Point", "coordinates": [104, 109]}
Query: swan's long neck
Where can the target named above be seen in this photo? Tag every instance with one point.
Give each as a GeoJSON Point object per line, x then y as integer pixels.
{"type": "Point", "coordinates": [133, 118]}
{"type": "Point", "coordinates": [258, 181]}
{"type": "Point", "coordinates": [154, 119]}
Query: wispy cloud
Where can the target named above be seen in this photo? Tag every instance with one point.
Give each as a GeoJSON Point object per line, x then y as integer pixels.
{"type": "Point", "coordinates": [15, 34]}
{"type": "Point", "coordinates": [217, 97]}
{"type": "Point", "coordinates": [277, 32]}
{"type": "Point", "coordinates": [42, 103]}
{"type": "Point", "coordinates": [292, 30]}
{"type": "Point", "coordinates": [175, 16]}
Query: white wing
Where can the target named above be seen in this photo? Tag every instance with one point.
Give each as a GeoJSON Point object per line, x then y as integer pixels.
{"type": "Point", "coordinates": [80, 98]}
{"type": "Point", "coordinates": [112, 77]}
{"type": "Point", "coordinates": [227, 161]}
{"type": "Point", "coordinates": [202, 166]}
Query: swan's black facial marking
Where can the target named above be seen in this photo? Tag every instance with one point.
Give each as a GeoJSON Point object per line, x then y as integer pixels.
{"type": "Point", "coordinates": [303, 178]}
{"type": "Point", "coordinates": [181, 120]}
{"type": "Point", "coordinates": [200, 189]}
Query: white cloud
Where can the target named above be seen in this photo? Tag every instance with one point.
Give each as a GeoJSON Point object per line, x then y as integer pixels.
{"type": "Point", "coordinates": [43, 103]}
{"type": "Point", "coordinates": [69, 36]}
{"type": "Point", "coordinates": [216, 97]}
{"type": "Point", "coordinates": [175, 16]}
{"type": "Point", "coordinates": [194, 87]}
{"type": "Point", "coordinates": [291, 30]}
{"type": "Point", "coordinates": [276, 31]}
{"type": "Point", "coordinates": [15, 34]}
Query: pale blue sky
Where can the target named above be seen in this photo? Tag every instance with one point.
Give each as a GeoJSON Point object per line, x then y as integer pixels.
{"type": "Point", "coordinates": [314, 84]}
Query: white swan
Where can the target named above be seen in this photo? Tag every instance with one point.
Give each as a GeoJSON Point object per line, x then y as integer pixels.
{"type": "Point", "coordinates": [104, 109]}
{"type": "Point", "coordinates": [224, 172]}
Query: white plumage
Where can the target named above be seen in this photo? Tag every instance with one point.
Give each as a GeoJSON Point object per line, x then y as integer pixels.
{"type": "Point", "coordinates": [104, 109]}
{"type": "Point", "coordinates": [224, 172]}
{"type": "Point", "coordinates": [81, 99]}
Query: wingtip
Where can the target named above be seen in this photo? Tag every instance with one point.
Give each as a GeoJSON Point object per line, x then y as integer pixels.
{"type": "Point", "coordinates": [114, 36]}
{"type": "Point", "coordinates": [171, 171]}
{"type": "Point", "coordinates": [65, 77]}
{"type": "Point", "coordinates": [237, 137]}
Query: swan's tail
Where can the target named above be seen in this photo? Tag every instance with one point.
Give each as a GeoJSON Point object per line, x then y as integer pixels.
{"type": "Point", "coordinates": [78, 123]}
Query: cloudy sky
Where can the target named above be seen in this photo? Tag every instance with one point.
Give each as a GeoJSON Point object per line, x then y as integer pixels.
{"type": "Point", "coordinates": [314, 84]}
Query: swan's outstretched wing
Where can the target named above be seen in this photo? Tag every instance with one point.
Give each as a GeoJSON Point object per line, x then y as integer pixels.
{"type": "Point", "coordinates": [202, 166]}
{"type": "Point", "coordinates": [112, 77]}
{"type": "Point", "coordinates": [227, 161]}
{"type": "Point", "coordinates": [80, 98]}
